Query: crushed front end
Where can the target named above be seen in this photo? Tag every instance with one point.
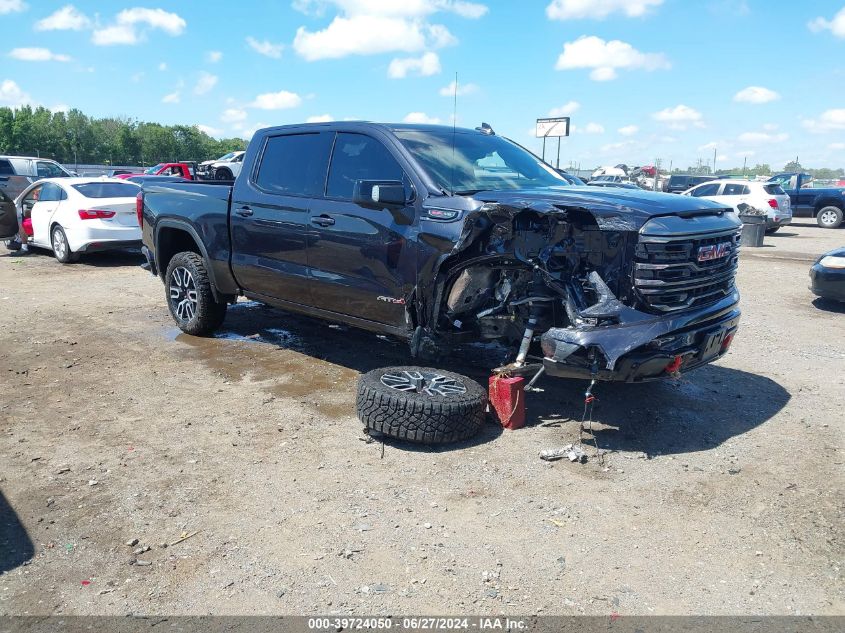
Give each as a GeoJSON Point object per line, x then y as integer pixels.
{"type": "Point", "coordinates": [608, 295]}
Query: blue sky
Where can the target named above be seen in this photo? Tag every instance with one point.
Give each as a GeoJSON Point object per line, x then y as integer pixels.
{"type": "Point", "coordinates": [641, 79]}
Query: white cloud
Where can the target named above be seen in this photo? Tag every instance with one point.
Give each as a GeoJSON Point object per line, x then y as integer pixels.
{"type": "Point", "coordinates": [37, 55]}
{"type": "Point", "coordinates": [463, 89]}
{"type": "Point", "coordinates": [367, 27]}
{"type": "Point", "coordinates": [420, 117]}
{"type": "Point", "coordinates": [709, 146]}
{"type": "Point", "coordinates": [233, 115]}
{"type": "Point", "coordinates": [12, 95]}
{"type": "Point", "coordinates": [598, 9]}
{"type": "Point", "coordinates": [594, 128]}
{"type": "Point", "coordinates": [68, 18]}
{"type": "Point", "coordinates": [567, 109]}
{"type": "Point", "coordinates": [12, 6]}
{"type": "Point", "coordinates": [129, 23]}
{"type": "Point", "coordinates": [205, 83]}
{"type": "Point", "coordinates": [756, 94]}
{"type": "Point", "coordinates": [425, 66]}
{"type": "Point", "coordinates": [836, 146]}
{"type": "Point", "coordinates": [762, 138]}
{"type": "Point", "coordinates": [211, 131]}
{"type": "Point", "coordinates": [835, 25]}
{"type": "Point", "coordinates": [281, 100]}
{"type": "Point", "coordinates": [359, 35]}
{"type": "Point", "coordinates": [137, 77]}
{"type": "Point", "coordinates": [320, 118]}
{"type": "Point", "coordinates": [679, 117]}
{"type": "Point", "coordinates": [212, 57]}
{"type": "Point", "coordinates": [162, 66]}
{"type": "Point", "coordinates": [828, 120]}
{"type": "Point", "coordinates": [60, 107]}
{"type": "Point", "coordinates": [628, 130]}
{"type": "Point", "coordinates": [115, 35]}
{"type": "Point", "coordinates": [173, 97]}
{"type": "Point", "coordinates": [606, 57]}
{"type": "Point", "coordinates": [393, 8]}
{"type": "Point", "coordinates": [265, 47]}
{"type": "Point", "coordinates": [746, 153]}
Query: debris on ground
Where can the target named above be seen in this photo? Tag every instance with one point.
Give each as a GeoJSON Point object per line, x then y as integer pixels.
{"type": "Point", "coordinates": [573, 452]}
{"type": "Point", "coordinates": [184, 537]}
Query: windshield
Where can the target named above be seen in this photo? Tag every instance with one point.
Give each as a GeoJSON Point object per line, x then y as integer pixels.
{"type": "Point", "coordinates": [154, 168]}
{"type": "Point", "coordinates": [107, 190]}
{"type": "Point", "coordinates": [477, 162]}
{"type": "Point", "coordinates": [226, 156]}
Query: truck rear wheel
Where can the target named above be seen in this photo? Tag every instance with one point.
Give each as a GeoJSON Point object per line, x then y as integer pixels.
{"type": "Point", "coordinates": [829, 217]}
{"type": "Point", "coordinates": [420, 404]}
{"type": "Point", "coordinates": [189, 296]}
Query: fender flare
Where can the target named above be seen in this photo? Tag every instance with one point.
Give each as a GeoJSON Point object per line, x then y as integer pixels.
{"type": "Point", "coordinates": [190, 230]}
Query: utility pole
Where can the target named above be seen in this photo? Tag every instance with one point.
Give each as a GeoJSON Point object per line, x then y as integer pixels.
{"type": "Point", "coordinates": [744, 163]}
{"type": "Point", "coordinates": [714, 161]}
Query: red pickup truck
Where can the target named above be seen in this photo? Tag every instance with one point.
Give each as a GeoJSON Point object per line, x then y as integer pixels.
{"type": "Point", "coordinates": [185, 170]}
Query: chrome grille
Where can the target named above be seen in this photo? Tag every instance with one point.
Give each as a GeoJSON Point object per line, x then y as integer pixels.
{"type": "Point", "coordinates": [668, 275]}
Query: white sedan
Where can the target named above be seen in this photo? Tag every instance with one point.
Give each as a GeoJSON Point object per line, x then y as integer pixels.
{"type": "Point", "coordinates": [80, 215]}
{"type": "Point", "coordinates": [767, 196]}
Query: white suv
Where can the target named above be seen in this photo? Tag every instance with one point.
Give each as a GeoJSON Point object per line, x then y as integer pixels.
{"type": "Point", "coordinates": [760, 195]}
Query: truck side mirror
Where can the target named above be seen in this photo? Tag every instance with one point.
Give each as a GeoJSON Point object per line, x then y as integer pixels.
{"type": "Point", "coordinates": [379, 193]}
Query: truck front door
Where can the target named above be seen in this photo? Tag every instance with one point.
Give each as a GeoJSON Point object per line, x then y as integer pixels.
{"type": "Point", "coordinates": [270, 212]}
{"type": "Point", "coordinates": [362, 258]}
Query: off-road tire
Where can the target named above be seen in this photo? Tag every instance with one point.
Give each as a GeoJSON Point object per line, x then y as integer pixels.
{"type": "Point", "coordinates": [63, 253]}
{"type": "Point", "coordinates": [420, 417]}
{"type": "Point", "coordinates": [830, 217]}
{"type": "Point", "coordinates": [208, 313]}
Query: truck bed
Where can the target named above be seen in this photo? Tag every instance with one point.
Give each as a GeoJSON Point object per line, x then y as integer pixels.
{"type": "Point", "coordinates": [200, 207]}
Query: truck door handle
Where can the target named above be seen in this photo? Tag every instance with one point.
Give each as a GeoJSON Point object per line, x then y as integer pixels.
{"type": "Point", "coordinates": [244, 212]}
{"type": "Point", "coordinates": [322, 220]}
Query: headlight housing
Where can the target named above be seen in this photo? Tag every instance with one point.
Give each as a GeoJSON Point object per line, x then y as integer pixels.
{"type": "Point", "coordinates": [832, 261]}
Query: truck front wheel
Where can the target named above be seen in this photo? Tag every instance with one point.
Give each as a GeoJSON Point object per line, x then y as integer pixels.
{"type": "Point", "coordinates": [189, 296]}
{"type": "Point", "coordinates": [829, 217]}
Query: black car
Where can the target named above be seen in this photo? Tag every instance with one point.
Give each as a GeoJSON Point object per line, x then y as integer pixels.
{"type": "Point", "coordinates": [678, 183]}
{"type": "Point", "coordinates": [827, 276]}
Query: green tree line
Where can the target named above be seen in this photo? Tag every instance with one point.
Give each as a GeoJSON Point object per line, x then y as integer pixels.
{"type": "Point", "coordinates": [74, 137]}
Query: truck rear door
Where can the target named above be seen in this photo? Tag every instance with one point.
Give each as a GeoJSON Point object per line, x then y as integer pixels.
{"type": "Point", "coordinates": [270, 211]}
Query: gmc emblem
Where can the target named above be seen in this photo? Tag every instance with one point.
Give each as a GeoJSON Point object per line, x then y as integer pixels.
{"type": "Point", "coordinates": [714, 251]}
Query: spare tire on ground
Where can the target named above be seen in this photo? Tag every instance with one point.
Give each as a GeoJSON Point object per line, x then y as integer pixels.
{"type": "Point", "coordinates": [420, 404]}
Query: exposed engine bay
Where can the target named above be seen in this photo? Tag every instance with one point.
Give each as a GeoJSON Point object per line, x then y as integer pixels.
{"type": "Point", "coordinates": [567, 277]}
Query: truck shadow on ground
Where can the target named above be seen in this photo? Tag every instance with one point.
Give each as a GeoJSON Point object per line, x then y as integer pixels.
{"type": "Point", "coordinates": [16, 548]}
{"type": "Point", "coordinates": [697, 412]}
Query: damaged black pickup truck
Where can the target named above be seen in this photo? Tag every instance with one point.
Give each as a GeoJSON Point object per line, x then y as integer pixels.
{"type": "Point", "coordinates": [447, 237]}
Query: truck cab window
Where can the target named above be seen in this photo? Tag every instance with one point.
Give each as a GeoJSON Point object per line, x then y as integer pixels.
{"type": "Point", "coordinates": [48, 170]}
{"type": "Point", "coordinates": [294, 164]}
{"type": "Point", "coordinates": [359, 157]}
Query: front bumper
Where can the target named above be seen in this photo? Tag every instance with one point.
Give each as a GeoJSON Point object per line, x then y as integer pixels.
{"type": "Point", "coordinates": [643, 346]}
{"type": "Point", "coordinates": [828, 283]}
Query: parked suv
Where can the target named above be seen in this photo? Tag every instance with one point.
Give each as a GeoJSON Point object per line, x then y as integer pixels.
{"type": "Point", "coordinates": [678, 183]}
{"type": "Point", "coordinates": [767, 196]}
{"type": "Point", "coordinates": [18, 172]}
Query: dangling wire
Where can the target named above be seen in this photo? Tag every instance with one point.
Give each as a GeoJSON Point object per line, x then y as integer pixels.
{"type": "Point", "coordinates": [587, 418]}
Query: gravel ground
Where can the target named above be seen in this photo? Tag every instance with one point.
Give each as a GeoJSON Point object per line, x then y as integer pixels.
{"type": "Point", "coordinates": [720, 493]}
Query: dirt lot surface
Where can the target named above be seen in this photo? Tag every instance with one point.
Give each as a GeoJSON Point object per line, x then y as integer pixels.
{"type": "Point", "coordinates": [721, 493]}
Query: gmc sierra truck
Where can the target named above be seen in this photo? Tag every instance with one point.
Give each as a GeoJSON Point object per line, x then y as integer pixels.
{"type": "Point", "coordinates": [444, 237]}
{"type": "Point", "coordinates": [826, 204]}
